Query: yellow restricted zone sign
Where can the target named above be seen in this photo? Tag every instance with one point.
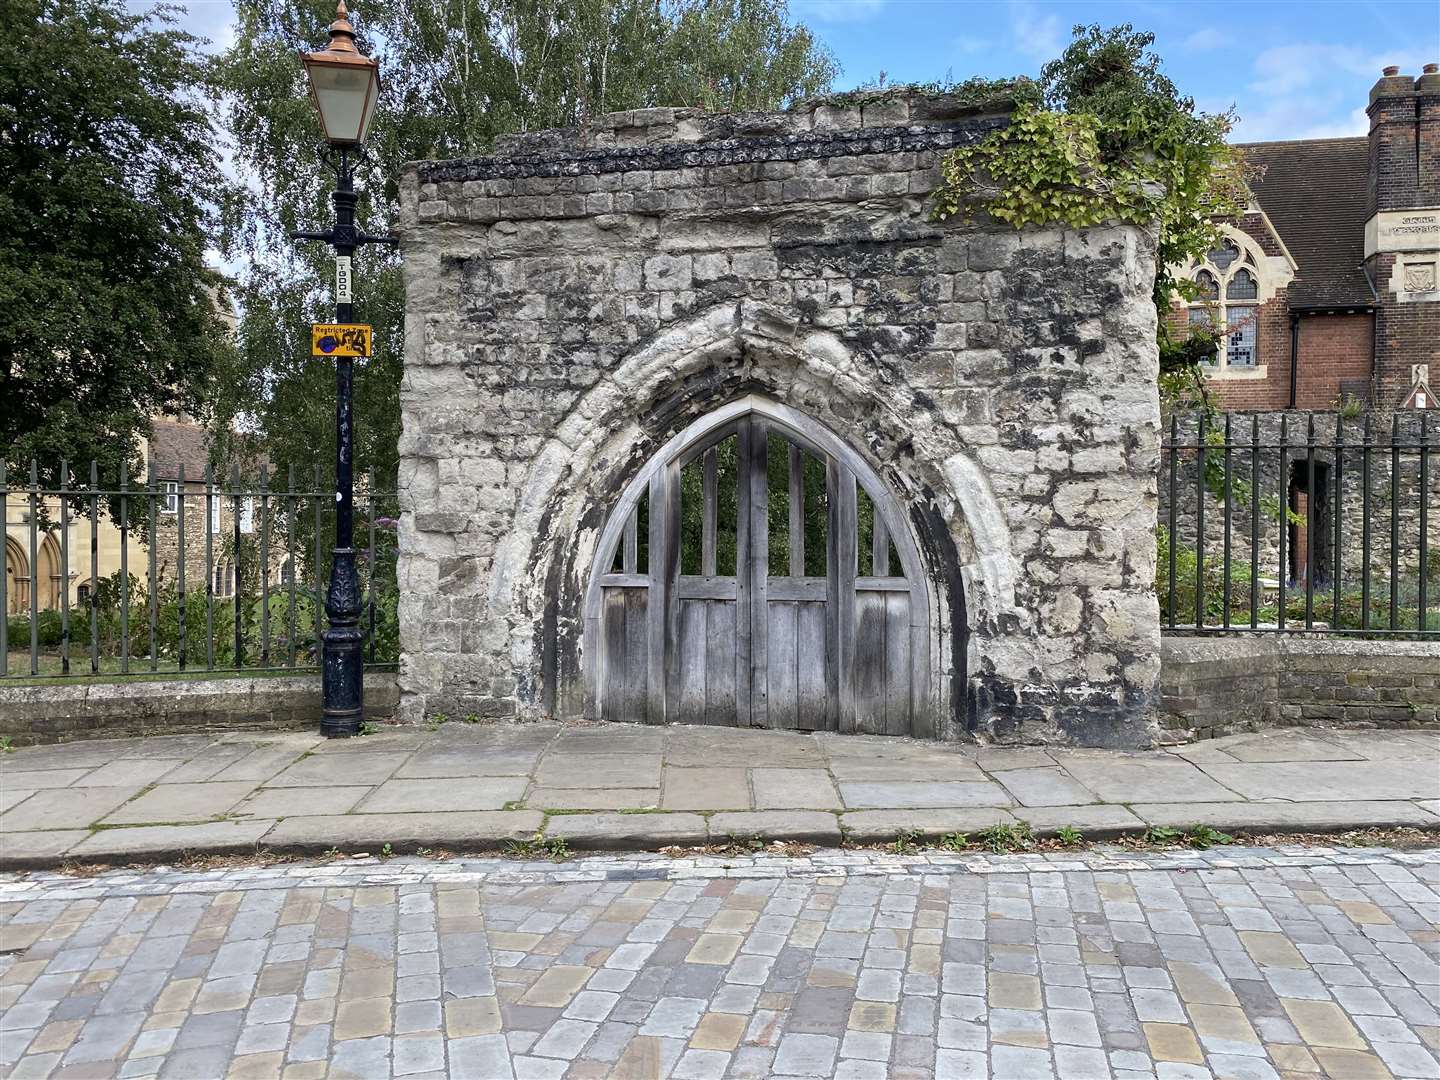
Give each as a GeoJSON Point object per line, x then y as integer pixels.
{"type": "Point", "coordinates": [340, 339]}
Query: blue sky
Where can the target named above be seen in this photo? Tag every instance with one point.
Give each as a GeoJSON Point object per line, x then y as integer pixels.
{"type": "Point", "coordinates": [1292, 69]}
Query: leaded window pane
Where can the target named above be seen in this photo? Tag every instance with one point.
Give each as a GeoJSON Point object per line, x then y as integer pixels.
{"type": "Point", "coordinates": [1241, 339]}
{"type": "Point", "coordinates": [1225, 254]}
{"type": "Point", "coordinates": [1242, 286]}
{"type": "Point", "coordinates": [1209, 285]}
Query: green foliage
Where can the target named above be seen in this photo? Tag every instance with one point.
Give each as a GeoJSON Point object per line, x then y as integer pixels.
{"type": "Point", "coordinates": [1069, 836]}
{"type": "Point", "coordinates": [387, 851]}
{"type": "Point", "coordinates": [1214, 582]}
{"type": "Point", "coordinates": [553, 848]}
{"type": "Point", "coordinates": [458, 76]}
{"type": "Point", "coordinates": [1113, 139]}
{"type": "Point", "coordinates": [1203, 836]}
{"type": "Point", "coordinates": [1161, 834]}
{"type": "Point", "coordinates": [369, 727]}
{"type": "Point", "coordinates": [5, 745]}
{"type": "Point", "coordinates": [955, 841]}
{"type": "Point", "coordinates": [907, 842]}
{"type": "Point", "coordinates": [108, 170]}
{"type": "Point", "coordinates": [1004, 837]}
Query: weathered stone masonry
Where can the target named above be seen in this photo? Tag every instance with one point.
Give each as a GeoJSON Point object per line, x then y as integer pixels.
{"type": "Point", "coordinates": [580, 297]}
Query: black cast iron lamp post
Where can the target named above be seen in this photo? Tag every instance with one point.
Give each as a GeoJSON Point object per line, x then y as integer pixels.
{"type": "Point", "coordinates": [344, 86]}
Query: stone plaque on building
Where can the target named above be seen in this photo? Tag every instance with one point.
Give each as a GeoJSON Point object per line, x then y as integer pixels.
{"type": "Point", "coordinates": [1403, 230]}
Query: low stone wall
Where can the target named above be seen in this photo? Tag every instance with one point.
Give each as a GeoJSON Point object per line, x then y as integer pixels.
{"type": "Point", "coordinates": [93, 710]}
{"type": "Point", "coordinates": [1217, 686]}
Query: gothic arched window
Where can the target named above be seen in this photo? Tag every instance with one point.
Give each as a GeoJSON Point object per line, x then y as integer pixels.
{"type": "Point", "coordinates": [1227, 295]}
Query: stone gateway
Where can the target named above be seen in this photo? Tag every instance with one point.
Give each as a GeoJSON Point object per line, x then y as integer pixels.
{"type": "Point", "coordinates": [706, 420]}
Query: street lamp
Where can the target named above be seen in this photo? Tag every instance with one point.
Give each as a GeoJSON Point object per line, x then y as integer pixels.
{"type": "Point", "coordinates": [344, 87]}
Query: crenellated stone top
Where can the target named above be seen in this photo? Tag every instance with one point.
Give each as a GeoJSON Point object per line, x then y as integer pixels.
{"type": "Point", "coordinates": [838, 125]}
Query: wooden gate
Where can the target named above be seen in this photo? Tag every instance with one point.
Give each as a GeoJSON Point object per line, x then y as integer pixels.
{"type": "Point", "coordinates": [757, 574]}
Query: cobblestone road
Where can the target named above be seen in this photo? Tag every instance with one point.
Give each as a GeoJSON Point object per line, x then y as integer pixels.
{"type": "Point", "coordinates": [1243, 963]}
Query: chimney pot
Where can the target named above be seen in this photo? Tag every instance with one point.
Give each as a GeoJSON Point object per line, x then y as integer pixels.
{"type": "Point", "coordinates": [1391, 71]}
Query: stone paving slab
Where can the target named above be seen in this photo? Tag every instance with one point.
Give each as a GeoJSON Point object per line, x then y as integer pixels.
{"type": "Point", "coordinates": [633, 786]}
{"type": "Point", "coordinates": [1237, 963]}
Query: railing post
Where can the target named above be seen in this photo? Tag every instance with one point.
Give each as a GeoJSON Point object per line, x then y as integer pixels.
{"type": "Point", "coordinates": [34, 567]}
{"type": "Point", "coordinates": [1254, 521]}
{"type": "Point", "coordinates": [1284, 519]}
{"type": "Point", "coordinates": [1174, 450]}
{"type": "Point", "coordinates": [64, 567]}
{"type": "Point", "coordinates": [94, 567]}
{"type": "Point", "coordinates": [1201, 460]}
{"type": "Point", "coordinates": [264, 567]}
{"type": "Point", "coordinates": [209, 569]}
{"type": "Point", "coordinates": [1225, 584]}
{"type": "Point", "coordinates": [180, 566]}
{"type": "Point", "coordinates": [154, 579]}
{"type": "Point", "coordinates": [1367, 446]}
{"type": "Point", "coordinates": [4, 578]}
{"type": "Point", "coordinates": [1310, 500]}
{"type": "Point", "coordinates": [236, 567]}
{"type": "Point", "coordinates": [1420, 616]}
{"type": "Point", "coordinates": [125, 567]}
{"type": "Point", "coordinates": [1338, 509]}
{"type": "Point", "coordinates": [1395, 521]}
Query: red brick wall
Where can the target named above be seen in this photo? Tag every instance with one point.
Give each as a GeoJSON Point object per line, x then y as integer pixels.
{"type": "Point", "coordinates": [1334, 349]}
{"type": "Point", "coordinates": [1408, 334]}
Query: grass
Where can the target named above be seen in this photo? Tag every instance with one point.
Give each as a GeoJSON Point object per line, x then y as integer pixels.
{"type": "Point", "coordinates": [553, 848]}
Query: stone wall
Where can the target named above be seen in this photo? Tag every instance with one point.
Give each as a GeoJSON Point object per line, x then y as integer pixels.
{"type": "Point", "coordinates": [1221, 685]}
{"type": "Point", "coordinates": [579, 298]}
{"type": "Point", "coordinates": [59, 712]}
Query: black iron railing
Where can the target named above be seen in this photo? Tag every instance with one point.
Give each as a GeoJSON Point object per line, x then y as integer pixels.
{"type": "Point", "coordinates": [132, 603]}
{"type": "Point", "coordinates": [1311, 523]}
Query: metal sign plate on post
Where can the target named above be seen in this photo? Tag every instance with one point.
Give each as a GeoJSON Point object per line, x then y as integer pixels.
{"type": "Point", "coordinates": [343, 279]}
{"type": "Point", "coordinates": [340, 339]}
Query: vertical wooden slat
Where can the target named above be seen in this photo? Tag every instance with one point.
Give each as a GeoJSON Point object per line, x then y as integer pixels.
{"type": "Point", "coordinates": [897, 662]}
{"type": "Point", "coordinates": [637, 655]}
{"type": "Point", "coordinates": [758, 570]}
{"type": "Point", "coordinates": [721, 619]}
{"type": "Point", "coordinates": [612, 691]}
{"type": "Point", "coordinates": [869, 662]}
{"type": "Point", "coordinates": [744, 582]}
{"type": "Point", "coordinates": [686, 697]}
{"type": "Point", "coordinates": [781, 654]}
{"type": "Point", "coordinates": [657, 598]}
{"type": "Point", "coordinates": [708, 512]}
{"type": "Point", "coordinates": [879, 546]}
{"type": "Point", "coordinates": [813, 666]}
{"type": "Point", "coordinates": [797, 512]}
{"type": "Point", "coordinates": [840, 609]}
{"type": "Point", "coordinates": [630, 545]}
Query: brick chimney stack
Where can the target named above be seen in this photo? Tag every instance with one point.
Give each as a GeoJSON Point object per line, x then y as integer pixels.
{"type": "Point", "coordinates": [1427, 91]}
{"type": "Point", "coordinates": [1402, 236]}
{"type": "Point", "coordinates": [1394, 128]}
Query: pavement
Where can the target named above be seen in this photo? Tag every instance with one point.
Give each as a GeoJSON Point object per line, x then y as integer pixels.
{"type": "Point", "coordinates": [1239, 963]}
{"type": "Point", "coordinates": [609, 787]}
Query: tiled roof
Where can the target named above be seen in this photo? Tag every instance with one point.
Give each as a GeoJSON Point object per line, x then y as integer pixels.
{"type": "Point", "coordinates": [173, 442]}
{"type": "Point", "coordinates": [1314, 192]}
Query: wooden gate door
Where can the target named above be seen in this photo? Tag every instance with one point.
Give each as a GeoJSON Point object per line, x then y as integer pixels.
{"type": "Point", "coordinates": [765, 591]}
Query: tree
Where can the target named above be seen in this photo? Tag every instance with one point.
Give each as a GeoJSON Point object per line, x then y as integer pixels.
{"type": "Point", "coordinates": [457, 76]}
{"type": "Point", "coordinates": [107, 176]}
{"type": "Point", "coordinates": [1107, 135]}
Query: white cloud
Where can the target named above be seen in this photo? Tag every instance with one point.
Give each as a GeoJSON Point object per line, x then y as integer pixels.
{"type": "Point", "coordinates": [969, 44]}
{"type": "Point", "coordinates": [1285, 69]}
{"type": "Point", "coordinates": [1039, 36]}
{"type": "Point", "coordinates": [838, 11]}
{"type": "Point", "coordinates": [1205, 39]}
{"type": "Point", "coordinates": [1313, 90]}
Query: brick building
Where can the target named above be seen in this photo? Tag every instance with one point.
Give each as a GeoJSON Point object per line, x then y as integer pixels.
{"type": "Point", "coordinates": [1329, 285]}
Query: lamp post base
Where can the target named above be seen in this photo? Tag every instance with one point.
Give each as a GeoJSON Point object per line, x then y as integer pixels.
{"type": "Point", "coordinates": [343, 662]}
